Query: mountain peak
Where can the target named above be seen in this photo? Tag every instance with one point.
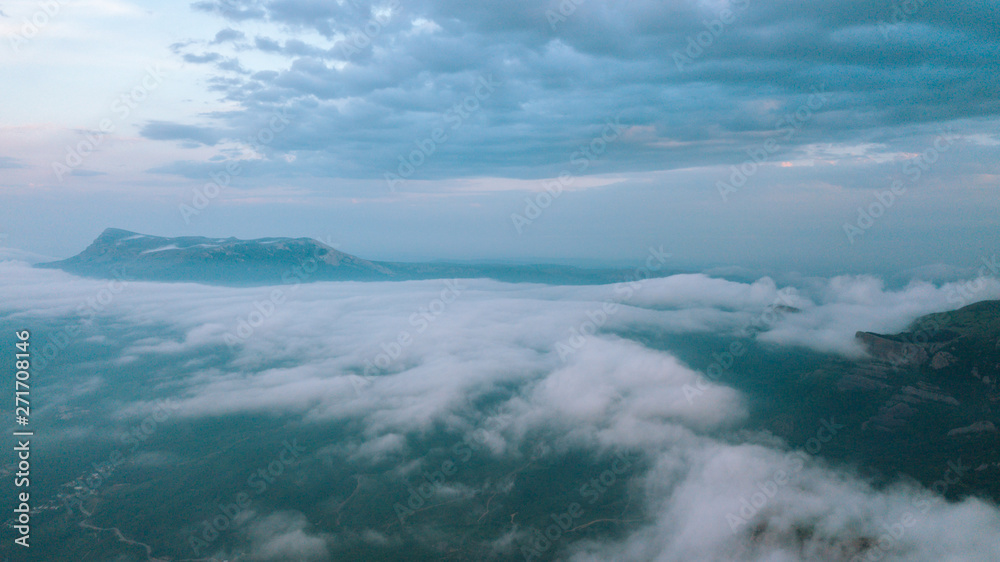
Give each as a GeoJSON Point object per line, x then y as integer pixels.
{"type": "Point", "coordinates": [231, 261]}
{"type": "Point", "coordinates": [116, 234]}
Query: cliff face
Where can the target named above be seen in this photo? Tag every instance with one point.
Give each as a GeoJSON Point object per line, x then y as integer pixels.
{"type": "Point", "coordinates": [955, 352]}
{"type": "Point", "coordinates": [891, 350]}
{"type": "Point", "coordinates": [922, 398]}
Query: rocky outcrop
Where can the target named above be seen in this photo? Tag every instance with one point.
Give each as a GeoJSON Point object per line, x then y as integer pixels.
{"type": "Point", "coordinates": [928, 392]}
{"type": "Point", "coordinates": [866, 377]}
{"type": "Point", "coordinates": [942, 359]}
{"type": "Point", "coordinates": [893, 351]}
{"type": "Point", "coordinates": [978, 427]}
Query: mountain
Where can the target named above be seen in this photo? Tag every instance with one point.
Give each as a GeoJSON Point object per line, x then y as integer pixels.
{"type": "Point", "coordinates": [267, 261]}
{"type": "Point", "coordinates": [120, 253]}
{"type": "Point", "coordinates": [921, 402]}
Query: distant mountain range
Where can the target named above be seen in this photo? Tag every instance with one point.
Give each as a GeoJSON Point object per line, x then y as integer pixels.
{"type": "Point", "coordinates": [268, 261]}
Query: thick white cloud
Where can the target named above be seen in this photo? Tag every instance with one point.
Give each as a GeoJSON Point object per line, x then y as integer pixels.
{"type": "Point", "coordinates": [285, 536]}
{"type": "Point", "coordinates": [754, 503]}
{"type": "Point", "coordinates": [405, 359]}
{"type": "Point", "coordinates": [850, 303]}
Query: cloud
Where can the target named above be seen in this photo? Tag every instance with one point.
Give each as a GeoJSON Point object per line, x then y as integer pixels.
{"type": "Point", "coordinates": [162, 130]}
{"type": "Point", "coordinates": [618, 393]}
{"type": "Point", "coordinates": [201, 59]}
{"type": "Point", "coordinates": [227, 35]}
{"type": "Point", "coordinates": [295, 361]}
{"type": "Point", "coordinates": [86, 173]}
{"type": "Point", "coordinates": [391, 365]}
{"type": "Point", "coordinates": [812, 512]}
{"type": "Point", "coordinates": [6, 162]}
{"type": "Point", "coordinates": [284, 535]}
{"type": "Point", "coordinates": [701, 90]}
{"type": "Point", "coordinates": [851, 303]}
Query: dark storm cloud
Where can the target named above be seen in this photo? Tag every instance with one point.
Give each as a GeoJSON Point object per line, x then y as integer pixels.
{"type": "Point", "coordinates": [693, 83]}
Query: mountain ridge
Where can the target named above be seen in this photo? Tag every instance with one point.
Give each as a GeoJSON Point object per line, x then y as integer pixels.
{"type": "Point", "coordinates": [278, 260]}
{"type": "Point", "coordinates": [920, 398]}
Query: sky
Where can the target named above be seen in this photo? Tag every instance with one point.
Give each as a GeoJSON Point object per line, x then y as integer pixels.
{"type": "Point", "coordinates": [827, 137]}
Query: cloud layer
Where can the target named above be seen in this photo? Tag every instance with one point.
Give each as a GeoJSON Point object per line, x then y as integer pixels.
{"type": "Point", "coordinates": [507, 366]}
{"type": "Point", "coordinates": [693, 83]}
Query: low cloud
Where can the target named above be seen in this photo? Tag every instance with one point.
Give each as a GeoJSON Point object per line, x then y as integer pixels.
{"type": "Point", "coordinates": [489, 367]}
